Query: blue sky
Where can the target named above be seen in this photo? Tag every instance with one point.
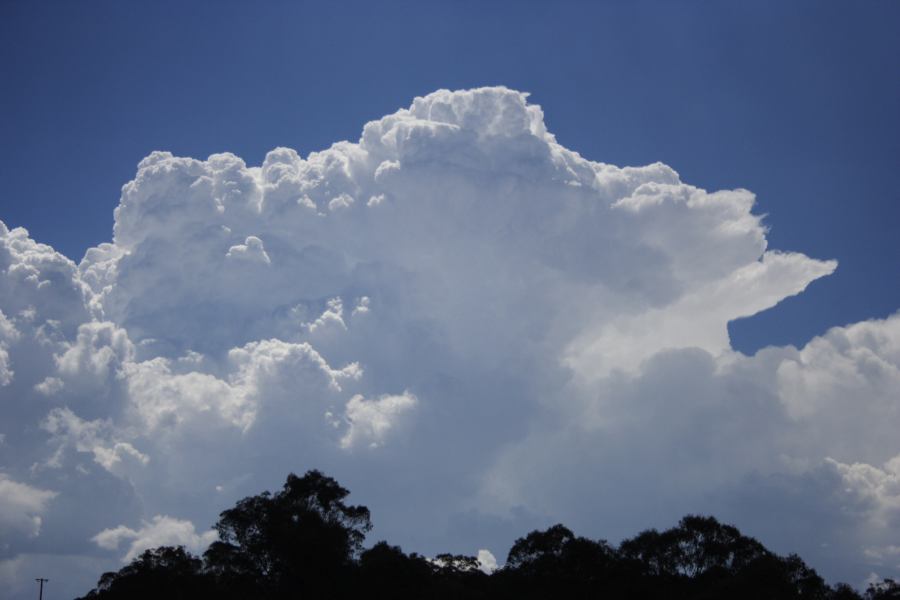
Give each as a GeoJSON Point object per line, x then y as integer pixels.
{"type": "Point", "coordinates": [796, 101]}
{"type": "Point", "coordinates": [476, 328]}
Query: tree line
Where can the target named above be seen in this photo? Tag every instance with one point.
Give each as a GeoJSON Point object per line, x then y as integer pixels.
{"type": "Point", "coordinates": [305, 541]}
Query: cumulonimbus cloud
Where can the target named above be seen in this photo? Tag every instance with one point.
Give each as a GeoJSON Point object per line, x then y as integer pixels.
{"type": "Point", "coordinates": [459, 318]}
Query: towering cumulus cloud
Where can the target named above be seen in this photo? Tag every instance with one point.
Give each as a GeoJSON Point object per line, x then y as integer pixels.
{"type": "Point", "coordinates": [473, 328]}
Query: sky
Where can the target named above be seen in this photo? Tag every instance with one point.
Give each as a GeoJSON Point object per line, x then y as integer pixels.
{"type": "Point", "coordinates": [548, 298]}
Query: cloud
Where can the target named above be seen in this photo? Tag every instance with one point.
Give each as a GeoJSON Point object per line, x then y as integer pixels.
{"type": "Point", "coordinates": [97, 352]}
{"type": "Point", "coordinates": [94, 437]}
{"type": "Point", "coordinates": [487, 562]}
{"type": "Point", "coordinates": [34, 275]}
{"type": "Point", "coordinates": [161, 530]}
{"type": "Point", "coordinates": [370, 421]}
{"type": "Point", "coordinates": [8, 334]}
{"type": "Point", "coordinates": [461, 320]}
{"type": "Point", "coordinates": [6, 373]}
{"type": "Point", "coordinates": [877, 488]}
{"type": "Point", "coordinates": [698, 319]}
{"type": "Point", "coordinates": [21, 506]}
{"type": "Point", "coordinates": [690, 431]}
{"type": "Point", "coordinates": [49, 386]}
{"type": "Point", "coordinates": [251, 250]}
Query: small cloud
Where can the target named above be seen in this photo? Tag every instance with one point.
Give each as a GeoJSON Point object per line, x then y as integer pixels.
{"type": "Point", "coordinates": [487, 562]}
{"type": "Point", "coordinates": [339, 202]}
{"type": "Point", "coordinates": [372, 420]}
{"type": "Point", "coordinates": [362, 306]}
{"type": "Point", "coordinates": [332, 315]}
{"type": "Point", "coordinates": [252, 250]}
{"type": "Point", "coordinates": [49, 386]}
{"type": "Point", "coordinates": [161, 530]}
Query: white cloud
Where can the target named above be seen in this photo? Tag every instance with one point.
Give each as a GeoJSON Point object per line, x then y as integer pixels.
{"type": "Point", "coordinates": [859, 364]}
{"type": "Point", "coordinates": [252, 250]}
{"type": "Point", "coordinates": [21, 507]}
{"type": "Point", "coordinates": [559, 326]}
{"type": "Point", "coordinates": [49, 386]}
{"type": "Point", "coordinates": [6, 373]}
{"type": "Point", "coordinates": [340, 201]}
{"type": "Point", "coordinates": [34, 275]}
{"type": "Point", "coordinates": [163, 398]}
{"type": "Point", "coordinates": [487, 562]}
{"type": "Point", "coordinates": [98, 351]}
{"type": "Point", "coordinates": [333, 315]}
{"type": "Point", "coordinates": [94, 437]}
{"type": "Point", "coordinates": [370, 421]}
{"type": "Point", "coordinates": [877, 488]}
{"type": "Point", "coordinates": [8, 334]}
{"type": "Point", "coordinates": [161, 530]}
{"type": "Point", "coordinates": [699, 319]}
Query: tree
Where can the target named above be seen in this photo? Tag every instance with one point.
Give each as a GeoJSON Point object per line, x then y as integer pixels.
{"type": "Point", "coordinates": [557, 563]}
{"type": "Point", "coordinates": [304, 537]}
{"type": "Point", "coordinates": [455, 563]}
{"type": "Point", "coordinates": [655, 553]}
{"type": "Point", "coordinates": [705, 544]}
{"type": "Point", "coordinates": [697, 546]}
{"type": "Point", "coordinates": [386, 572]}
{"type": "Point", "coordinates": [884, 590]}
{"type": "Point", "coordinates": [161, 572]}
{"type": "Point", "coordinates": [305, 541]}
{"type": "Point", "coordinates": [539, 546]}
{"type": "Point", "coordinates": [842, 591]}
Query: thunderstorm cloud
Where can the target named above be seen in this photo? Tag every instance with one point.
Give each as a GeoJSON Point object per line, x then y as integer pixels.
{"type": "Point", "coordinates": [473, 328]}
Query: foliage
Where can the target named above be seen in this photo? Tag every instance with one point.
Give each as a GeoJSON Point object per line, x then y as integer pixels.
{"type": "Point", "coordinates": [305, 541]}
{"type": "Point", "coordinates": [302, 538]}
{"type": "Point", "coordinates": [161, 572]}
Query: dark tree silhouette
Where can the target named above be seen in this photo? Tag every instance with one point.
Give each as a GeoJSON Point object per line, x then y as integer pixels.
{"type": "Point", "coordinates": [556, 562]}
{"type": "Point", "coordinates": [305, 541]}
{"type": "Point", "coordinates": [702, 558]}
{"type": "Point", "coordinates": [167, 572]}
{"type": "Point", "coordinates": [704, 545]}
{"type": "Point", "coordinates": [302, 538]}
{"type": "Point", "coordinates": [539, 547]}
{"type": "Point", "coordinates": [655, 554]}
{"type": "Point", "coordinates": [884, 590]}
{"type": "Point", "coordinates": [697, 546]}
{"type": "Point", "coordinates": [455, 563]}
{"type": "Point", "coordinates": [385, 571]}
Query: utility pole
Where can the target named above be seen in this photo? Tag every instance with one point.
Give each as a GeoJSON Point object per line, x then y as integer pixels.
{"type": "Point", "coordinates": [41, 580]}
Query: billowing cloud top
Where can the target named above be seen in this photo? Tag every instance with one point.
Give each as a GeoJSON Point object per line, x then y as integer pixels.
{"type": "Point", "coordinates": [473, 328]}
